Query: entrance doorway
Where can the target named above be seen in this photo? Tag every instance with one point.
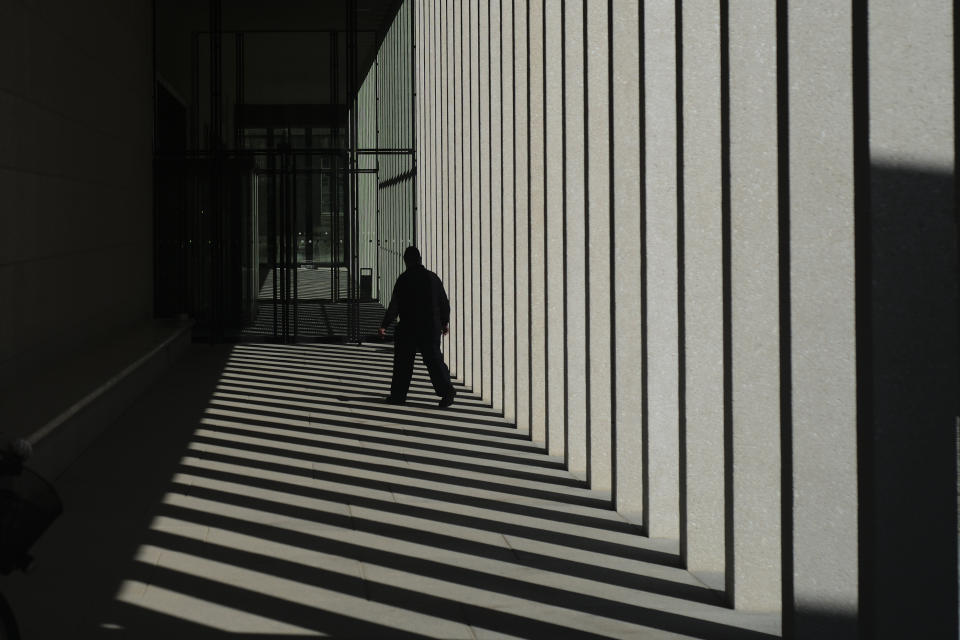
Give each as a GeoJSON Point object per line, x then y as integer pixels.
{"type": "Point", "coordinates": [301, 219]}
{"type": "Point", "coordinates": [286, 192]}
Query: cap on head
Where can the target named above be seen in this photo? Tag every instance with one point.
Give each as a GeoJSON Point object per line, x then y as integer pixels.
{"type": "Point", "coordinates": [411, 257]}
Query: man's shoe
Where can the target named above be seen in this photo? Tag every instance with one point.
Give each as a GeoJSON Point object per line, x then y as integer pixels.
{"type": "Point", "coordinates": [392, 400]}
{"type": "Point", "coordinates": [447, 400]}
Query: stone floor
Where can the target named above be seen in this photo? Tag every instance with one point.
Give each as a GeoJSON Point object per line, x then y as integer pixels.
{"type": "Point", "coordinates": [266, 491]}
{"type": "Point", "coordinates": [312, 314]}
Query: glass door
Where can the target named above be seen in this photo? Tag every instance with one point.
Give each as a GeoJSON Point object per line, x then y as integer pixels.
{"type": "Point", "coordinates": [303, 233]}
{"type": "Point", "coordinates": [320, 238]}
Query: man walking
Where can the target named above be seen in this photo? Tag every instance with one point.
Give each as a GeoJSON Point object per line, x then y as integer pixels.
{"type": "Point", "coordinates": [424, 310]}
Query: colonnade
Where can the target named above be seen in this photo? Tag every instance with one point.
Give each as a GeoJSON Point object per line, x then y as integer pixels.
{"type": "Point", "coordinates": [679, 239]}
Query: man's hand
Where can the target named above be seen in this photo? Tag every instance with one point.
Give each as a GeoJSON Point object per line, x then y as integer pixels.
{"type": "Point", "coordinates": [446, 329]}
{"type": "Point", "coordinates": [382, 332]}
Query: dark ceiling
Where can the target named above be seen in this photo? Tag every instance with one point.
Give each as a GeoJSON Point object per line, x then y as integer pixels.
{"type": "Point", "coordinates": [176, 20]}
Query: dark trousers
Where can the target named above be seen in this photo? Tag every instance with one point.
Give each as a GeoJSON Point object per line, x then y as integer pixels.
{"type": "Point", "coordinates": [405, 351]}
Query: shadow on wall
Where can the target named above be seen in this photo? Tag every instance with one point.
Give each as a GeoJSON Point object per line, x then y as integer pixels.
{"type": "Point", "coordinates": [908, 328]}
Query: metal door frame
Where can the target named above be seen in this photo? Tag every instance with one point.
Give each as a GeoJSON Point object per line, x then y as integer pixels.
{"type": "Point", "coordinates": [205, 242]}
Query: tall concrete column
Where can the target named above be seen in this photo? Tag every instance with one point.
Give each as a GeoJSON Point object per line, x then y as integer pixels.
{"type": "Point", "coordinates": [461, 151]}
{"type": "Point", "coordinates": [907, 317]}
{"type": "Point", "coordinates": [554, 204]}
{"type": "Point", "coordinates": [474, 190]}
{"type": "Point", "coordinates": [702, 539]}
{"type": "Point", "coordinates": [524, 322]}
{"type": "Point", "coordinates": [538, 316]}
{"type": "Point", "coordinates": [495, 191]}
{"type": "Point", "coordinates": [575, 282]}
{"type": "Point", "coordinates": [600, 250]}
{"type": "Point", "coordinates": [432, 257]}
{"type": "Point", "coordinates": [440, 222]}
{"type": "Point", "coordinates": [483, 198]}
{"type": "Point", "coordinates": [823, 579]}
{"type": "Point", "coordinates": [661, 515]}
{"type": "Point", "coordinates": [426, 203]}
{"type": "Point", "coordinates": [509, 325]}
{"type": "Point", "coordinates": [420, 38]}
{"type": "Point", "coordinates": [463, 196]}
{"type": "Point", "coordinates": [753, 430]}
{"type": "Point", "coordinates": [456, 205]}
{"type": "Point", "coordinates": [626, 140]}
{"type": "Point", "coordinates": [426, 177]}
{"type": "Point", "coordinates": [430, 208]}
{"type": "Point", "coordinates": [439, 198]}
{"type": "Point", "coordinates": [445, 214]}
{"type": "Point", "coordinates": [429, 169]}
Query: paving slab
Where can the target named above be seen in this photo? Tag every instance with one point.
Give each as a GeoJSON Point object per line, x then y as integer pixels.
{"type": "Point", "coordinates": [212, 508]}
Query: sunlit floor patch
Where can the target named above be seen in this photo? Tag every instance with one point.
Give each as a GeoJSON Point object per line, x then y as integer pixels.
{"type": "Point", "coordinates": [210, 614]}
{"type": "Point", "coordinates": [285, 499]}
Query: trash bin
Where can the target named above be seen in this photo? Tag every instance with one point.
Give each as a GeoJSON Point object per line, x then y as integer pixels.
{"type": "Point", "coordinates": [366, 283]}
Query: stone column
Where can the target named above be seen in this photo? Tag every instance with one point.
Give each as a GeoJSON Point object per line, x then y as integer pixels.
{"type": "Point", "coordinates": [429, 204]}
{"type": "Point", "coordinates": [441, 166]}
{"type": "Point", "coordinates": [822, 581]}
{"type": "Point", "coordinates": [474, 96]}
{"type": "Point", "coordinates": [575, 280]}
{"type": "Point", "coordinates": [538, 317]}
{"type": "Point", "coordinates": [554, 203]}
{"type": "Point", "coordinates": [626, 140]}
{"type": "Point", "coordinates": [521, 135]}
{"type": "Point", "coordinates": [449, 208]}
{"type": "Point", "coordinates": [753, 403]}
{"type": "Point", "coordinates": [600, 250]}
{"type": "Point", "coordinates": [457, 325]}
{"type": "Point", "coordinates": [420, 9]}
{"type": "Point", "coordinates": [509, 325]}
{"type": "Point", "coordinates": [702, 539]}
{"type": "Point", "coordinates": [465, 307]}
{"type": "Point", "coordinates": [483, 200]}
{"type": "Point", "coordinates": [495, 191]}
{"type": "Point", "coordinates": [661, 515]}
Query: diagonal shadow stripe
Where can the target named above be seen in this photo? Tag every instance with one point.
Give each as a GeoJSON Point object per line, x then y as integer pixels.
{"type": "Point", "coordinates": [336, 397]}
{"type": "Point", "coordinates": [326, 365]}
{"type": "Point", "coordinates": [519, 474]}
{"type": "Point", "coordinates": [263, 604]}
{"type": "Point", "coordinates": [361, 399]}
{"type": "Point", "coordinates": [437, 606]}
{"type": "Point", "coordinates": [390, 595]}
{"type": "Point", "coordinates": [529, 559]}
{"type": "Point", "coordinates": [375, 386]}
{"type": "Point", "coordinates": [524, 454]}
{"type": "Point", "coordinates": [334, 410]}
{"type": "Point", "coordinates": [399, 472]}
{"type": "Point", "coordinates": [147, 623]}
{"type": "Point", "coordinates": [317, 363]}
{"type": "Point", "coordinates": [570, 540]}
{"type": "Point", "coordinates": [466, 404]}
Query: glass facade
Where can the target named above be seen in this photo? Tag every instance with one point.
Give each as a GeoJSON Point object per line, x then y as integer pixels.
{"type": "Point", "coordinates": [294, 188]}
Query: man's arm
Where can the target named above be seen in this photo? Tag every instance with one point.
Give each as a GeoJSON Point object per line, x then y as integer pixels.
{"type": "Point", "coordinates": [393, 310]}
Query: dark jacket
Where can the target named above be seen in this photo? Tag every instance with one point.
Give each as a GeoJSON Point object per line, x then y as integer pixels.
{"type": "Point", "coordinates": [422, 304]}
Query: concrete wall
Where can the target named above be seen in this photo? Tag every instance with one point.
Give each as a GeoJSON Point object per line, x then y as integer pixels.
{"type": "Point", "coordinates": [385, 121]}
{"type": "Point", "coordinates": [724, 257]}
{"type": "Point", "coordinates": [76, 222]}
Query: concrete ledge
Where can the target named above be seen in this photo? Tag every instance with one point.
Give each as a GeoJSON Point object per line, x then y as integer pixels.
{"type": "Point", "coordinates": [67, 406]}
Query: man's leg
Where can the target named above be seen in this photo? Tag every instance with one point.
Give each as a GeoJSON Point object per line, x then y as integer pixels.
{"type": "Point", "coordinates": [439, 373]}
{"type": "Point", "coordinates": [404, 352]}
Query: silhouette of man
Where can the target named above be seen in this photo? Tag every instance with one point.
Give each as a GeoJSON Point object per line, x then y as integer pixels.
{"type": "Point", "coordinates": [424, 310]}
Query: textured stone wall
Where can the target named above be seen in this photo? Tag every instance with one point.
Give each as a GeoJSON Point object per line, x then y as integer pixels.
{"type": "Point", "coordinates": [76, 222]}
